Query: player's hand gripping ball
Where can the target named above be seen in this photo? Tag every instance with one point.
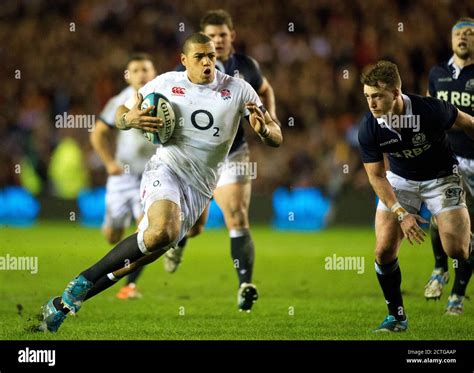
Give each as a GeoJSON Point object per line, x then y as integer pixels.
{"type": "Point", "coordinates": [164, 111]}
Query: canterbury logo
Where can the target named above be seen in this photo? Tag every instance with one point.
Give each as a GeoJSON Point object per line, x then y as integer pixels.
{"type": "Point", "coordinates": [178, 91]}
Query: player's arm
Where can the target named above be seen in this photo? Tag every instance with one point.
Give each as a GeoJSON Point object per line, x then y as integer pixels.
{"type": "Point", "coordinates": [102, 140]}
{"type": "Point", "coordinates": [383, 189]}
{"type": "Point", "coordinates": [130, 115]}
{"type": "Point", "coordinates": [378, 181]}
{"type": "Point", "coordinates": [464, 122]}
{"type": "Point", "coordinates": [267, 95]}
{"type": "Point", "coordinates": [263, 124]}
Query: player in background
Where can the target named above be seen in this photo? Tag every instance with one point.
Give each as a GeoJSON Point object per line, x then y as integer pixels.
{"type": "Point", "coordinates": [233, 190]}
{"type": "Point", "coordinates": [453, 81]}
{"type": "Point", "coordinates": [411, 130]}
{"type": "Point", "coordinates": [126, 165]}
{"type": "Point", "coordinates": [180, 178]}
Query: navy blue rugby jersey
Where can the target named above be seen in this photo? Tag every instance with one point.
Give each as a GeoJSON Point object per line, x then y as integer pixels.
{"type": "Point", "coordinates": [244, 67]}
{"type": "Point", "coordinates": [450, 83]}
{"type": "Point", "coordinates": [420, 151]}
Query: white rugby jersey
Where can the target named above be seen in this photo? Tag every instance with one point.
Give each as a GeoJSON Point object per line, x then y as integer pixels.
{"type": "Point", "coordinates": [133, 150]}
{"type": "Point", "coordinates": [207, 119]}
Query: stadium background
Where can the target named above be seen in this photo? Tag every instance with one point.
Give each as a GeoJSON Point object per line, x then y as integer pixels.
{"type": "Point", "coordinates": [311, 52]}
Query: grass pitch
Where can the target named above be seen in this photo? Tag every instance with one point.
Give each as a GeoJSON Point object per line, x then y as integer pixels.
{"type": "Point", "coordinates": [299, 298]}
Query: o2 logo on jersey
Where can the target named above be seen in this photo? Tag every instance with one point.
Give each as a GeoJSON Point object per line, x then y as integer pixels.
{"type": "Point", "coordinates": [225, 94]}
{"type": "Point", "coordinates": [204, 116]}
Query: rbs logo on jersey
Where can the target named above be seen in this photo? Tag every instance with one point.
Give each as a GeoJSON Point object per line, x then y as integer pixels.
{"type": "Point", "coordinates": [411, 153]}
{"type": "Point", "coordinates": [457, 98]}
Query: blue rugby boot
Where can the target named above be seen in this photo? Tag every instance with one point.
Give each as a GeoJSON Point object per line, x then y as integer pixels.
{"type": "Point", "coordinates": [391, 324]}
{"type": "Point", "coordinates": [75, 293]}
{"type": "Point", "coordinates": [455, 305]}
{"type": "Point", "coordinates": [52, 318]}
{"type": "Point", "coordinates": [434, 287]}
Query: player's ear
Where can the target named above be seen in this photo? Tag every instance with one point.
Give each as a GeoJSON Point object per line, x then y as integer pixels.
{"type": "Point", "coordinates": [396, 93]}
{"type": "Point", "coordinates": [183, 59]}
{"type": "Point", "coordinates": [232, 35]}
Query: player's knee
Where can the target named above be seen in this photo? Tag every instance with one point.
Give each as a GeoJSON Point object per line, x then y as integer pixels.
{"type": "Point", "coordinates": [237, 216]}
{"type": "Point", "coordinates": [459, 250]}
{"type": "Point", "coordinates": [456, 245]}
{"type": "Point", "coordinates": [113, 236]}
{"type": "Point", "coordinates": [156, 238]}
{"type": "Point", "coordinates": [196, 230]}
{"type": "Point", "coordinates": [384, 254]}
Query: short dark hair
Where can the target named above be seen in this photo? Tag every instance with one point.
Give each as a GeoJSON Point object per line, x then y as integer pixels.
{"type": "Point", "coordinates": [216, 17]}
{"type": "Point", "coordinates": [139, 56]}
{"type": "Point", "coordinates": [196, 38]}
{"type": "Point", "coordinates": [383, 71]}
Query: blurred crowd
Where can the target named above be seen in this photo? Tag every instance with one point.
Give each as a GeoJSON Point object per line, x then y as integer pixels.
{"type": "Point", "coordinates": [68, 56]}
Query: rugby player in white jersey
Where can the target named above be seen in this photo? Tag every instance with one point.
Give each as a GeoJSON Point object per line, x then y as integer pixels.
{"type": "Point", "coordinates": [234, 188]}
{"type": "Point", "coordinates": [180, 178]}
{"type": "Point", "coordinates": [126, 165]}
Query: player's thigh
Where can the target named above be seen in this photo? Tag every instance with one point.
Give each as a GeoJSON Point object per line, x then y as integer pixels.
{"type": "Point", "coordinates": [466, 168]}
{"type": "Point", "coordinates": [161, 195]}
{"type": "Point", "coordinates": [234, 201]}
{"type": "Point", "coordinates": [388, 236]}
{"type": "Point", "coordinates": [455, 232]}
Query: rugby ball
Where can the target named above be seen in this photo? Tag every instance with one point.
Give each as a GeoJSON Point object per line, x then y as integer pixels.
{"type": "Point", "coordinates": [164, 110]}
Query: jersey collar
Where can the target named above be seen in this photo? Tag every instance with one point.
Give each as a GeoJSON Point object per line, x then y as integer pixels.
{"type": "Point", "coordinates": [455, 69]}
{"type": "Point", "coordinates": [408, 111]}
{"type": "Point", "coordinates": [208, 85]}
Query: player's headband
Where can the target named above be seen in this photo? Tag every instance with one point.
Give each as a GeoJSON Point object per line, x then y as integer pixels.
{"type": "Point", "coordinates": [463, 24]}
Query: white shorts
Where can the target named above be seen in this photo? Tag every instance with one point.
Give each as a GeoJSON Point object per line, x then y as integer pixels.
{"type": "Point", "coordinates": [159, 182]}
{"type": "Point", "coordinates": [236, 168]}
{"type": "Point", "coordinates": [466, 168]}
{"type": "Point", "coordinates": [122, 200]}
{"type": "Point", "coordinates": [439, 195]}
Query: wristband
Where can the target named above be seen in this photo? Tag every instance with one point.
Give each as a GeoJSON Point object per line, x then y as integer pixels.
{"type": "Point", "coordinates": [401, 213]}
{"type": "Point", "coordinates": [122, 123]}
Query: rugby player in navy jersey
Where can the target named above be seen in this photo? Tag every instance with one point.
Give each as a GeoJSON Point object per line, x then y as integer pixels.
{"type": "Point", "coordinates": [234, 188]}
{"type": "Point", "coordinates": [411, 130]}
{"type": "Point", "coordinates": [453, 81]}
